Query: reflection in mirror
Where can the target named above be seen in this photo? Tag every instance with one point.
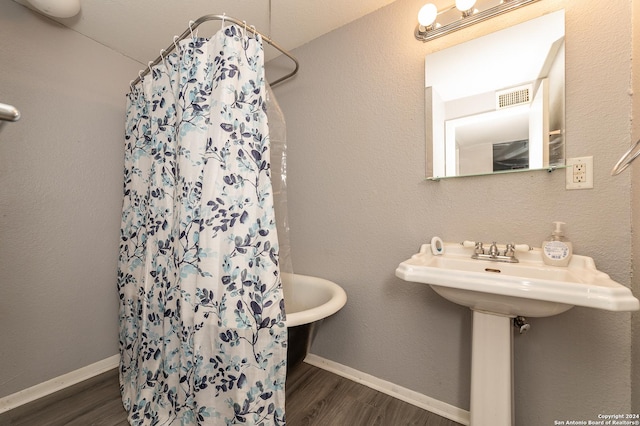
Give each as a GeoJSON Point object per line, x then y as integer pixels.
{"type": "Point", "coordinates": [496, 104]}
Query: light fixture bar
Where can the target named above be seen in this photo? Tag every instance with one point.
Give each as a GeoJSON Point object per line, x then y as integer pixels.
{"type": "Point", "coordinates": [426, 34]}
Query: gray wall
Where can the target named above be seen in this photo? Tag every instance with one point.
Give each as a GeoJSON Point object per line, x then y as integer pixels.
{"type": "Point", "coordinates": [60, 198]}
{"type": "Point", "coordinates": [358, 207]}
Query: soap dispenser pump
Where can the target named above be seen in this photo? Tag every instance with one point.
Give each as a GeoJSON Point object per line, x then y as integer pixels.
{"type": "Point", "coordinates": [557, 251]}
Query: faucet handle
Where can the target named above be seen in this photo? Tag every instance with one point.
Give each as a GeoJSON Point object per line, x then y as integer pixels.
{"type": "Point", "coordinates": [509, 250]}
{"type": "Point", "coordinates": [479, 249]}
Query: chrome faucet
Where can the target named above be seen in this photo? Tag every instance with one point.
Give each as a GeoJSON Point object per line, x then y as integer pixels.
{"type": "Point", "coordinates": [494, 255]}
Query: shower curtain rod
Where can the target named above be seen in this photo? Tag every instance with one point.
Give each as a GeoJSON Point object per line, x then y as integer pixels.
{"type": "Point", "coordinates": [189, 32]}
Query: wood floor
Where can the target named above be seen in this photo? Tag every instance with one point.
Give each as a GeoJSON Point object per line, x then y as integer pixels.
{"type": "Point", "coordinates": [315, 397]}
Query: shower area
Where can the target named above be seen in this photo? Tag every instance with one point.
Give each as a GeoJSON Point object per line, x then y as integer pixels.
{"type": "Point", "coordinates": [62, 188]}
{"type": "Point", "coordinates": [205, 272]}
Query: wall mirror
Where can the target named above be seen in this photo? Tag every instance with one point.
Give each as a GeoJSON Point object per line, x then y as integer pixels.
{"type": "Point", "coordinates": [495, 104]}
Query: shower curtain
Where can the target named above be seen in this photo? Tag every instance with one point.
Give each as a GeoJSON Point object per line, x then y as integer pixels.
{"type": "Point", "coordinates": [202, 334]}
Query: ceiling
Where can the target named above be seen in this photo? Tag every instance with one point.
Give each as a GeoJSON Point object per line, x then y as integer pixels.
{"type": "Point", "coordinates": [140, 28]}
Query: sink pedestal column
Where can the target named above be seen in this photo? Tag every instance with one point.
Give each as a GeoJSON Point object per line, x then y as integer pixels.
{"type": "Point", "coordinates": [491, 370]}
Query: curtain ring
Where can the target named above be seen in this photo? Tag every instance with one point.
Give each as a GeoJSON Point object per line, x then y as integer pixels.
{"type": "Point", "coordinates": [163, 59]}
{"type": "Point", "coordinates": [191, 29]}
{"type": "Point", "coordinates": [245, 28]}
{"type": "Point", "coordinates": [224, 16]}
{"type": "Point", "coordinates": [131, 85]}
{"type": "Point", "coordinates": [254, 31]}
{"type": "Point", "coordinates": [149, 66]}
{"type": "Point", "coordinates": [175, 37]}
{"type": "Point", "coordinates": [140, 76]}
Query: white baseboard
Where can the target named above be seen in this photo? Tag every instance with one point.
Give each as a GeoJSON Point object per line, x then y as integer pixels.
{"type": "Point", "coordinates": [407, 395]}
{"type": "Point", "coordinates": [58, 383]}
{"type": "Point", "coordinates": [419, 400]}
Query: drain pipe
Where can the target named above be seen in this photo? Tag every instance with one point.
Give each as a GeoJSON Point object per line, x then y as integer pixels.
{"type": "Point", "coordinates": [521, 324]}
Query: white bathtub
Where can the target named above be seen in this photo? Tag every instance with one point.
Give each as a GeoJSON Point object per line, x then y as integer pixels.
{"type": "Point", "coordinates": [308, 300]}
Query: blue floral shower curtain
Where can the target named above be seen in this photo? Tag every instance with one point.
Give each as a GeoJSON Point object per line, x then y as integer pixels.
{"type": "Point", "coordinates": [202, 335]}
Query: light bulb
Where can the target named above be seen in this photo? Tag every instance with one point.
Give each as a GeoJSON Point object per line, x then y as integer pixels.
{"type": "Point", "coordinates": [465, 5]}
{"type": "Point", "coordinates": [57, 8]}
{"type": "Point", "coordinates": [427, 14]}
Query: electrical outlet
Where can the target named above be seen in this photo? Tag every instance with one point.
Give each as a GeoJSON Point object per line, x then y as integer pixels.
{"type": "Point", "coordinates": [579, 173]}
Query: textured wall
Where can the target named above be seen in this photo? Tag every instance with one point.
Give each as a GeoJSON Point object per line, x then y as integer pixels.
{"type": "Point", "coordinates": [358, 207]}
{"type": "Point", "coordinates": [60, 198]}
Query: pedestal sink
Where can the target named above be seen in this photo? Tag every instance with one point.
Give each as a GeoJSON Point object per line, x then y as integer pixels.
{"type": "Point", "coordinates": [497, 292]}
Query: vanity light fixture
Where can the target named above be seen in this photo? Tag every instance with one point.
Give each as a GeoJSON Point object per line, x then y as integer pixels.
{"type": "Point", "coordinates": [434, 23]}
{"type": "Point", "coordinates": [427, 16]}
{"type": "Point", "coordinates": [466, 7]}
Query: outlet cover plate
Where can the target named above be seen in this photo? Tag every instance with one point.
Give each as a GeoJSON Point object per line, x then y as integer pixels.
{"type": "Point", "coordinates": [579, 173]}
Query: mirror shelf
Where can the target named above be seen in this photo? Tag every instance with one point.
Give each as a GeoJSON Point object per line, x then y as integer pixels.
{"type": "Point", "coordinates": [503, 172]}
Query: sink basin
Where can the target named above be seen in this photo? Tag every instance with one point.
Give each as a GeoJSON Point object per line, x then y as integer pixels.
{"type": "Point", "coordinates": [527, 288]}
{"type": "Point", "coordinates": [496, 292]}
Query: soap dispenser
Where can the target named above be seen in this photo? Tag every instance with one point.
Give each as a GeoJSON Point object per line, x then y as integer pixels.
{"type": "Point", "coordinates": [557, 251]}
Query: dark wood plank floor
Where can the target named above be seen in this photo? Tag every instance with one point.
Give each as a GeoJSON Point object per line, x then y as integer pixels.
{"type": "Point", "coordinates": [315, 397]}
